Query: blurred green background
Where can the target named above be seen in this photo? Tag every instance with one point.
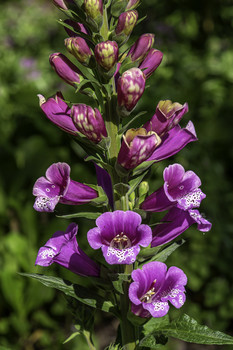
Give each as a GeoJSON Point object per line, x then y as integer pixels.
{"type": "Point", "coordinates": [196, 39]}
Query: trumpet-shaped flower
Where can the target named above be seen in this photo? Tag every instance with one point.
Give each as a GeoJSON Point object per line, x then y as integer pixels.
{"type": "Point", "coordinates": [180, 189]}
{"type": "Point", "coordinates": [154, 286]}
{"type": "Point", "coordinates": [57, 186]}
{"type": "Point", "coordinates": [119, 234]}
{"type": "Point", "coordinates": [62, 248]}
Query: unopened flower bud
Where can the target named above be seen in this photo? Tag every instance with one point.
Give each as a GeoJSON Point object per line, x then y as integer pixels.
{"type": "Point", "coordinates": [125, 25]}
{"type": "Point", "coordinates": [141, 47]}
{"type": "Point", "coordinates": [78, 27]}
{"type": "Point", "coordinates": [136, 147]}
{"type": "Point", "coordinates": [151, 62]}
{"type": "Point", "coordinates": [89, 122]}
{"type": "Point", "coordinates": [60, 4]}
{"type": "Point", "coordinates": [65, 69]}
{"type": "Point", "coordinates": [94, 12]}
{"type": "Point", "coordinates": [106, 54]}
{"type": "Point", "coordinates": [143, 190]}
{"type": "Point", "coordinates": [78, 47]}
{"type": "Point", "coordinates": [130, 87]}
{"type": "Point", "coordinates": [132, 4]}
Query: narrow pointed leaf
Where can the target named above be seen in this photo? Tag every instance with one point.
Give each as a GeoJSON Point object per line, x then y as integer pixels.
{"type": "Point", "coordinates": [86, 215]}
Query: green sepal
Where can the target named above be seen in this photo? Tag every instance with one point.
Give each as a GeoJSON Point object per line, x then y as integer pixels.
{"type": "Point", "coordinates": [143, 167]}
{"type": "Point", "coordinates": [72, 336]}
{"type": "Point", "coordinates": [135, 182]}
{"type": "Point", "coordinates": [122, 172]}
{"type": "Point", "coordinates": [87, 296]}
{"type": "Point", "coordinates": [127, 64]}
{"type": "Point", "coordinates": [86, 215]}
{"type": "Point", "coordinates": [117, 7]}
{"type": "Point", "coordinates": [127, 126]}
{"type": "Point", "coordinates": [136, 320]}
{"type": "Point", "coordinates": [121, 189]}
{"type": "Point", "coordinates": [118, 279]}
{"type": "Point", "coordinates": [187, 329]}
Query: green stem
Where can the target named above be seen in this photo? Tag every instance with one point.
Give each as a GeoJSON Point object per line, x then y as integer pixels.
{"type": "Point", "coordinates": [104, 28]}
{"type": "Point", "coordinates": [87, 336]}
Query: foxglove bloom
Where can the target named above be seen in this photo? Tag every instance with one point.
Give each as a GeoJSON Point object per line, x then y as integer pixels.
{"type": "Point", "coordinates": [62, 248]}
{"type": "Point", "coordinates": [106, 54]}
{"type": "Point", "coordinates": [180, 189]}
{"type": "Point", "coordinates": [78, 47]}
{"type": "Point", "coordinates": [65, 69]}
{"type": "Point", "coordinates": [154, 286]}
{"type": "Point", "coordinates": [58, 112]}
{"type": "Point", "coordinates": [151, 62]}
{"type": "Point", "coordinates": [140, 48]}
{"type": "Point", "coordinates": [137, 145]}
{"type": "Point", "coordinates": [175, 222]}
{"type": "Point", "coordinates": [130, 87]}
{"type": "Point", "coordinates": [167, 115]}
{"type": "Point", "coordinates": [89, 122]}
{"type": "Point", "coordinates": [125, 25]}
{"type": "Point", "coordinates": [119, 234]}
{"type": "Point", "coordinates": [57, 186]}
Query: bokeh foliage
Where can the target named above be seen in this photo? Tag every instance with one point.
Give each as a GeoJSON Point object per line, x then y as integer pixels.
{"type": "Point", "coordinates": [196, 38]}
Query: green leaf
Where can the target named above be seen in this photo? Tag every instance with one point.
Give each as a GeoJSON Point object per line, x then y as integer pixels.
{"type": "Point", "coordinates": [85, 295]}
{"type": "Point", "coordinates": [86, 215]}
{"type": "Point", "coordinates": [72, 336]}
{"type": "Point", "coordinates": [117, 281]}
{"type": "Point", "coordinates": [135, 182]}
{"type": "Point", "coordinates": [143, 167]}
{"type": "Point", "coordinates": [127, 126]}
{"type": "Point", "coordinates": [187, 329]}
{"type": "Point", "coordinates": [164, 254]}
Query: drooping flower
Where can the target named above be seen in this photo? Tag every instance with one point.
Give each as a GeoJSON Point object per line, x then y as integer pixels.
{"type": "Point", "coordinates": [62, 248]}
{"type": "Point", "coordinates": [180, 189]}
{"type": "Point", "coordinates": [57, 186]}
{"type": "Point", "coordinates": [166, 116]}
{"type": "Point", "coordinates": [65, 69]}
{"type": "Point", "coordinates": [175, 222]}
{"type": "Point", "coordinates": [106, 54]}
{"type": "Point", "coordinates": [130, 87]}
{"type": "Point", "coordinates": [78, 47]}
{"type": "Point", "coordinates": [119, 234]}
{"type": "Point", "coordinates": [58, 112]}
{"type": "Point", "coordinates": [137, 145]}
{"type": "Point", "coordinates": [140, 48]}
{"type": "Point", "coordinates": [151, 62]}
{"type": "Point", "coordinates": [89, 122]}
{"type": "Point", "coordinates": [154, 286]}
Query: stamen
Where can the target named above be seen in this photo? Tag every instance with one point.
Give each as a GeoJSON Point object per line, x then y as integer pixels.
{"type": "Point", "coordinates": [148, 296]}
{"type": "Point", "coordinates": [120, 241]}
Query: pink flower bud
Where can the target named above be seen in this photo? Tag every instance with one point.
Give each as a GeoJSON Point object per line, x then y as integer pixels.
{"type": "Point", "coordinates": [89, 122]}
{"type": "Point", "coordinates": [132, 4]}
{"type": "Point", "coordinates": [130, 87]}
{"type": "Point", "coordinates": [137, 146]}
{"type": "Point", "coordinates": [94, 12]}
{"type": "Point", "coordinates": [78, 27]}
{"type": "Point", "coordinates": [106, 54]}
{"type": "Point", "coordinates": [78, 47]}
{"type": "Point", "coordinates": [65, 68]}
{"type": "Point", "coordinates": [151, 62]}
{"type": "Point", "coordinates": [60, 4]}
{"type": "Point", "coordinates": [126, 23]}
{"type": "Point", "coordinates": [141, 47]}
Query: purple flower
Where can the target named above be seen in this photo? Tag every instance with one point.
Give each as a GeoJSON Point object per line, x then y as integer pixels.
{"type": "Point", "coordinates": [58, 112]}
{"type": "Point", "coordinates": [151, 62]}
{"type": "Point", "coordinates": [106, 54]}
{"type": "Point", "coordinates": [137, 145]}
{"type": "Point", "coordinates": [180, 189]}
{"type": "Point", "coordinates": [78, 47]}
{"type": "Point", "coordinates": [140, 48]}
{"type": "Point", "coordinates": [58, 187]}
{"type": "Point", "coordinates": [166, 116]}
{"type": "Point", "coordinates": [130, 87]}
{"type": "Point", "coordinates": [62, 248]}
{"type": "Point", "coordinates": [174, 141]}
{"type": "Point", "coordinates": [65, 69]}
{"type": "Point", "coordinates": [119, 234]}
{"type": "Point", "coordinates": [104, 180]}
{"type": "Point", "coordinates": [78, 27]}
{"type": "Point", "coordinates": [89, 122]}
{"type": "Point", "coordinates": [175, 222]}
{"type": "Point", "coordinates": [154, 286]}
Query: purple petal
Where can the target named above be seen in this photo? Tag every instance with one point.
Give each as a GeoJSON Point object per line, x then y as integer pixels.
{"type": "Point", "coordinates": [43, 187]}
{"type": "Point", "coordinates": [175, 222]}
{"type": "Point", "coordinates": [191, 200]}
{"type": "Point", "coordinates": [43, 203]}
{"type": "Point", "coordinates": [120, 256]}
{"type": "Point", "coordinates": [78, 193]}
{"type": "Point", "coordinates": [59, 173]}
{"type": "Point", "coordinates": [45, 256]}
{"type": "Point", "coordinates": [157, 201]}
{"type": "Point", "coordinates": [140, 311]}
{"type": "Point", "coordinates": [94, 238]}
{"type": "Point", "coordinates": [174, 141]}
{"type": "Point", "coordinates": [203, 225]}
{"type": "Point", "coordinates": [157, 308]}
{"type": "Point", "coordinates": [104, 180]}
